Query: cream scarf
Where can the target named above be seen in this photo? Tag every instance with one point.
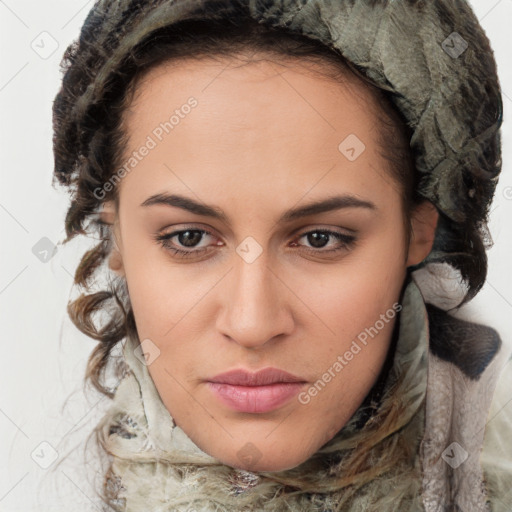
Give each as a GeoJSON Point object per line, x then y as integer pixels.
{"type": "Point", "coordinates": [160, 469]}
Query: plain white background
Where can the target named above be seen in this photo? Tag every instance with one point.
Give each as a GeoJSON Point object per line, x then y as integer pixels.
{"type": "Point", "coordinates": [44, 356]}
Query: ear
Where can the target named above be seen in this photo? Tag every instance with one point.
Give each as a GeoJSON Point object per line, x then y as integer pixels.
{"type": "Point", "coordinates": [423, 223]}
{"type": "Point", "coordinates": [108, 215]}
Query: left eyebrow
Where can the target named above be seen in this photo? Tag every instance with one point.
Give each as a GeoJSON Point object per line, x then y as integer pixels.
{"type": "Point", "coordinates": [325, 205]}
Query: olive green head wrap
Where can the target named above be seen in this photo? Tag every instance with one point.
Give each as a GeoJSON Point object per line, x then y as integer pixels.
{"type": "Point", "coordinates": [435, 60]}
{"type": "Point", "coordinates": [431, 57]}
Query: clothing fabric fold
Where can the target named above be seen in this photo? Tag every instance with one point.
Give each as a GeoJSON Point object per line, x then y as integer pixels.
{"type": "Point", "coordinates": [443, 413]}
{"type": "Point", "coordinates": [161, 469]}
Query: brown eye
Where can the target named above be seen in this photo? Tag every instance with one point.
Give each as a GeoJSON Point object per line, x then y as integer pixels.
{"type": "Point", "coordinates": [184, 238]}
{"type": "Point", "coordinates": [189, 238]}
{"type": "Point", "coordinates": [318, 239]}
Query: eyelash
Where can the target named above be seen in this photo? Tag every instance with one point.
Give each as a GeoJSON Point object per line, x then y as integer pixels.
{"type": "Point", "coordinates": [347, 242]}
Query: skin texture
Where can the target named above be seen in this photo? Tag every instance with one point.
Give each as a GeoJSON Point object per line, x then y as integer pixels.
{"type": "Point", "coordinates": [262, 139]}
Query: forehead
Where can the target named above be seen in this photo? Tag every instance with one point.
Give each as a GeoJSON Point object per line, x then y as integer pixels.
{"type": "Point", "coordinates": [261, 124]}
{"type": "Point", "coordinates": [261, 80]}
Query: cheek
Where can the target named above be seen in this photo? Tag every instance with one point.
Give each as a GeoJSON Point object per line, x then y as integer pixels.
{"type": "Point", "coordinates": [361, 312]}
{"type": "Point", "coordinates": [161, 298]}
{"type": "Point", "coordinates": [357, 304]}
{"type": "Point", "coordinates": [351, 294]}
{"type": "Point", "coordinates": [161, 291]}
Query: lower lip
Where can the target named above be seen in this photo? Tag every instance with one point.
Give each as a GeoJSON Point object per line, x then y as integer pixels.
{"type": "Point", "coordinates": [255, 398]}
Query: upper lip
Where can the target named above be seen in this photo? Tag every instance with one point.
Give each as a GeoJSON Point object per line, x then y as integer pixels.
{"type": "Point", "coordinates": [240, 377]}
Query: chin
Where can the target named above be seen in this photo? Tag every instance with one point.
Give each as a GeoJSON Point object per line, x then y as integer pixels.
{"type": "Point", "coordinates": [268, 464]}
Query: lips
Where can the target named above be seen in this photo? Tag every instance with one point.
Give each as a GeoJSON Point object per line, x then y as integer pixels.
{"type": "Point", "coordinates": [260, 378]}
{"type": "Point", "coordinates": [258, 392]}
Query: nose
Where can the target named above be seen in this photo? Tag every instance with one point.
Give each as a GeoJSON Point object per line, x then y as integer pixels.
{"type": "Point", "coordinates": [255, 304]}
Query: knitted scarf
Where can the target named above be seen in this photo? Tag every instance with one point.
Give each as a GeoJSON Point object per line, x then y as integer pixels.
{"type": "Point", "coordinates": [159, 468]}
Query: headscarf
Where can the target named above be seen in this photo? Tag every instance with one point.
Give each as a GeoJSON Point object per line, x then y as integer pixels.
{"type": "Point", "coordinates": [436, 443]}
{"type": "Point", "coordinates": [431, 57]}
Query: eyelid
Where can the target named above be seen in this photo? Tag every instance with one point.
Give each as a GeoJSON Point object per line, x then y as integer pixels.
{"type": "Point", "coordinates": [179, 228]}
{"type": "Point", "coordinates": [175, 231]}
{"type": "Point", "coordinates": [346, 240]}
{"type": "Point", "coordinates": [322, 227]}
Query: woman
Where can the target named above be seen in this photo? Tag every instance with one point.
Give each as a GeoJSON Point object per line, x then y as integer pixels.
{"type": "Point", "coordinates": [265, 178]}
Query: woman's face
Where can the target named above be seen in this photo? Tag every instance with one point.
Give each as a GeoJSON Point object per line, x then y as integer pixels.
{"type": "Point", "coordinates": [269, 182]}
